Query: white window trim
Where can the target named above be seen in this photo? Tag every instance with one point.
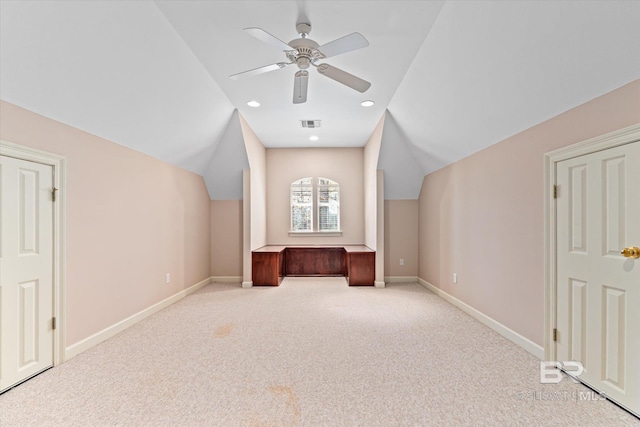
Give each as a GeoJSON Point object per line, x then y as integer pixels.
{"type": "Point", "coordinates": [315, 233]}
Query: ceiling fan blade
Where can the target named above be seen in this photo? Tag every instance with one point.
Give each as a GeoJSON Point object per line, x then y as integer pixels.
{"type": "Point", "coordinates": [261, 34]}
{"type": "Point", "coordinates": [259, 70]}
{"type": "Point", "coordinates": [300, 85]}
{"type": "Point", "coordinates": [343, 77]}
{"type": "Point", "coordinates": [343, 45]}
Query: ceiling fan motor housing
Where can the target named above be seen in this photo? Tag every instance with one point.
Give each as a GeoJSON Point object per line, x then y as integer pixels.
{"type": "Point", "coordinates": [305, 52]}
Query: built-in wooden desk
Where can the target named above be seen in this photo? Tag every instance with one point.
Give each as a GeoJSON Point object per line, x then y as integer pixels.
{"type": "Point", "coordinates": [270, 264]}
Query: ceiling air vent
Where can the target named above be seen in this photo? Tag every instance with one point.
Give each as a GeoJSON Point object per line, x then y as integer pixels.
{"type": "Point", "coordinates": [311, 123]}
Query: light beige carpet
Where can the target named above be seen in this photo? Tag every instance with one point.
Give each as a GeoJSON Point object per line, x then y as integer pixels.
{"type": "Point", "coordinates": [312, 352]}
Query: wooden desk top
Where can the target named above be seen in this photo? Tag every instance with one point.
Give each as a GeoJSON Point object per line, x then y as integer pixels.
{"type": "Point", "coordinates": [280, 248]}
{"type": "Point", "coordinates": [270, 248]}
{"type": "Point", "coordinates": [357, 248]}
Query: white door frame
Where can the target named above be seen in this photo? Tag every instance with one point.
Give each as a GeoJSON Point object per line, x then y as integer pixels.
{"type": "Point", "coordinates": [59, 164]}
{"type": "Point", "coordinates": [599, 143]}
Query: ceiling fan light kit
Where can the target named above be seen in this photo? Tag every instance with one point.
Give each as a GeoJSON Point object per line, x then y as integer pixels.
{"type": "Point", "coordinates": [305, 53]}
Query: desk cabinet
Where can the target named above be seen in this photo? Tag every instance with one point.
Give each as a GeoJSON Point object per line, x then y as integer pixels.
{"type": "Point", "coordinates": [361, 268]}
{"type": "Point", "coordinates": [267, 268]}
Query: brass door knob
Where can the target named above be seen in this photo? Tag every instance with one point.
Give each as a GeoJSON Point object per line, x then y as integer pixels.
{"type": "Point", "coordinates": [632, 252]}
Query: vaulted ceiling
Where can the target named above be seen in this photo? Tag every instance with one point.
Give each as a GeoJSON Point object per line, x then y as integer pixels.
{"type": "Point", "coordinates": [453, 77]}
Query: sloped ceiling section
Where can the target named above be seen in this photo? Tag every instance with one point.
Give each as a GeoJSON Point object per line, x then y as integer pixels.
{"type": "Point", "coordinates": [223, 175]}
{"type": "Point", "coordinates": [403, 174]}
{"type": "Point", "coordinates": [395, 30]}
{"type": "Point", "coordinates": [488, 70]}
{"type": "Point", "coordinates": [115, 69]}
{"type": "Point", "coordinates": [455, 76]}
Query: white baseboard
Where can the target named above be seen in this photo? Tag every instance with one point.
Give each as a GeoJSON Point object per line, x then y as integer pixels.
{"type": "Point", "coordinates": [111, 331]}
{"type": "Point", "coordinates": [379, 284]}
{"type": "Point", "coordinates": [511, 335]}
{"type": "Point", "coordinates": [226, 279]}
{"type": "Point", "coordinates": [401, 279]}
{"type": "Point", "coordinates": [247, 285]}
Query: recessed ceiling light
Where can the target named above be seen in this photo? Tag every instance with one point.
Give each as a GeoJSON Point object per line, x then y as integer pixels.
{"type": "Point", "coordinates": [314, 138]}
{"type": "Point", "coordinates": [253, 104]}
{"type": "Point", "coordinates": [367, 103]}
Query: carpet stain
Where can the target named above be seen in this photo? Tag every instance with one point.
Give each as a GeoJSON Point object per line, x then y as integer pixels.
{"type": "Point", "coordinates": [293, 406]}
{"type": "Point", "coordinates": [223, 331]}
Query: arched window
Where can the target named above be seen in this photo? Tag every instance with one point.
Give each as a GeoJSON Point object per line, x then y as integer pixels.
{"type": "Point", "coordinates": [315, 214]}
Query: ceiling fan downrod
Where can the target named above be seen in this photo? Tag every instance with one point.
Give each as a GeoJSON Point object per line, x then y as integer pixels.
{"type": "Point", "coordinates": [303, 29]}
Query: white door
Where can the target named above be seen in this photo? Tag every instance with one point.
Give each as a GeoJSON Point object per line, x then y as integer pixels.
{"type": "Point", "coordinates": [598, 289]}
{"type": "Point", "coordinates": [26, 270]}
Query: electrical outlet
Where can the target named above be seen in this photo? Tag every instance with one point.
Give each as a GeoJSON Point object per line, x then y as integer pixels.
{"type": "Point", "coordinates": [455, 277]}
{"type": "Point", "coordinates": [167, 278]}
{"type": "Point", "coordinates": [401, 261]}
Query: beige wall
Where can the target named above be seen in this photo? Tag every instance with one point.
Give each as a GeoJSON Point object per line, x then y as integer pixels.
{"type": "Point", "coordinates": [226, 238]}
{"type": "Point", "coordinates": [482, 217]}
{"type": "Point", "coordinates": [374, 201]}
{"type": "Point", "coordinates": [130, 219]}
{"type": "Point", "coordinates": [344, 165]}
{"type": "Point", "coordinates": [380, 257]}
{"type": "Point", "coordinates": [256, 154]}
{"type": "Point", "coordinates": [371, 154]}
{"type": "Point", "coordinates": [401, 238]}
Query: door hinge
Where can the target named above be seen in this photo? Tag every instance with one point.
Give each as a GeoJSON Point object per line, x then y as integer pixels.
{"type": "Point", "coordinates": [54, 323]}
{"type": "Point", "coordinates": [54, 191]}
{"type": "Point", "coordinates": [555, 334]}
{"type": "Point", "coordinates": [555, 191]}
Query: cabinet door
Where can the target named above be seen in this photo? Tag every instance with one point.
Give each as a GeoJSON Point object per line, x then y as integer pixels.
{"type": "Point", "coordinates": [314, 261]}
{"type": "Point", "coordinates": [361, 268]}
{"type": "Point", "coordinates": [265, 268]}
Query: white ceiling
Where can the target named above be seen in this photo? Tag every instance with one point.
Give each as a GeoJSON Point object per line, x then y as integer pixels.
{"type": "Point", "coordinates": [455, 76]}
{"type": "Point", "coordinates": [490, 69]}
{"type": "Point", "coordinates": [394, 29]}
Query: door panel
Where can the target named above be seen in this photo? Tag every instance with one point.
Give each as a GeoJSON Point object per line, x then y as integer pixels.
{"type": "Point", "coordinates": [615, 200]}
{"type": "Point", "coordinates": [578, 208]}
{"type": "Point", "coordinates": [613, 326]}
{"type": "Point", "coordinates": [598, 289]}
{"type": "Point", "coordinates": [26, 270]}
{"type": "Point", "coordinates": [578, 318]}
{"type": "Point", "coordinates": [28, 323]}
{"type": "Point", "coordinates": [28, 214]}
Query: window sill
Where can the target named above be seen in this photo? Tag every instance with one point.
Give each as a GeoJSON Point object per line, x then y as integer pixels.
{"type": "Point", "coordinates": [315, 233]}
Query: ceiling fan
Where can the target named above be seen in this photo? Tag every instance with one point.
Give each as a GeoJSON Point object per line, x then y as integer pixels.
{"type": "Point", "coordinates": [305, 52]}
